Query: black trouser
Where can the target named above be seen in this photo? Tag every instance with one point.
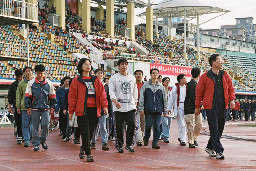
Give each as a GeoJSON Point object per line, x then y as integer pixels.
{"type": "Point", "coordinates": [246, 115]}
{"type": "Point", "coordinates": [216, 120]}
{"type": "Point", "coordinates": [18, 123]}
{"type": "Point", "coordinates": [87, 125]}
{"type": "Point", "coordinates": [120, 119]}
{"type": "Point", "coordinates": [253, 115]}
{"type": "Point", "coordinates": [111, 130]}
{"type": "Point", "coordinates": [63, 123]}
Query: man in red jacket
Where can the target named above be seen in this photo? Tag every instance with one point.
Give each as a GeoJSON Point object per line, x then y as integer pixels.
{"type": "Point", "coordinates": [216, 91]}
{"type": "Point", "coordinates": [236, 110]}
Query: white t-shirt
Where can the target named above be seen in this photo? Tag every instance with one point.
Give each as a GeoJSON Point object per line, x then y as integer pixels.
{"type": "Point", "coordinates": [182, 93]}
{"type": "Point", "coordinates": [124, 90]}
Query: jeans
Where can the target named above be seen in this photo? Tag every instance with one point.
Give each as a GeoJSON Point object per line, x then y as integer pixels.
{"type": "Point", "coordinates": [235, 114]}
{"type": "Point", "coordinates": [152, 119]}
{"type": "Point", "coordinates": [166, 124]}
{"type": "Point", "coordinates": [26, 126]}
{"type": "Point", "coordinates": [36, 121]}
{"type": "Point", "coordinates": [139, 133]}
{"type": "Point", "coordinates": [103, 131]}
{"type": "Point", "coordinates": [216, 120]}
{"type": "Point", "coordinates": [204, 114]}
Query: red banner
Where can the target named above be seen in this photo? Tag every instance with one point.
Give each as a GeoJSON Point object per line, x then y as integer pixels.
{"type": "Point", "coordinates": [172, 70]}
{"type": "Point", "coordinates": [73, 5]}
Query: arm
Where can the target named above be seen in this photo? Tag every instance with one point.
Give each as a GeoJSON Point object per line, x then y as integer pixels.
{"type": "Point", "coordinates": [28, 96]}
{"type": "Point", "coordinates": [142, 95]}
{"type": "Point", "coordinates": [58, 100]}
{"type": "Point", "coordinates": [164, 100]}
{"type": "Point", "coordinates": [103, 96]}
{"type": "Point", "coordinates": [200, 89]}
{"type": "Point", "coordinates": [72, 97]}
{"type": "Point", "coordinates": [112, 92]}
{"type": "Point", "coordinates": [18, 97]}
{"type": "Point", "coordinates": [231, 90]}
{"type": "Point", "coordinates": [52, 96]}
{"type": "Point", "coordinates": [135, 93]}
{"type": "Point", "coordinates": [11, 95]}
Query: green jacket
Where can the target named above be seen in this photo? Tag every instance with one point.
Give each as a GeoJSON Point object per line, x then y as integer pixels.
{"type": "Point", "coordinates": [20, 94]}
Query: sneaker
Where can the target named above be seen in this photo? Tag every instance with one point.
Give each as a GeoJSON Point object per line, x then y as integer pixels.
{"type": "Point", "coordinates": [105, 147]}
{"type": "Point", "coordinates": [210, 152]}
{"type": "Point", "coordinates": [139, 143]}
{"type": "Point", "coordinates": [145, 142]}
{"type": "Point", "coordinates": [82, 153]}
{"type": "Point", "coordinates": [192, 145]}
{"type": "Point", "coordinates": [19, 142]}
{"type": "Point", "coordinates": [165, 140]}
{"type": "Point", "coordinates": [130, 149]}
{"type": "Point", "coordinates": [182, 143]}
{"type": "Point", "coordinates": [76, 141]}
{"type": "Point", "coordinates": [90, 158]}
{"type": "Point", "coordinates": [156, 146]}
{"type": "Point", "coordinates": [93, 146]}
{"type": "Point", "coordinates": [195, 143]}
{"type": "Point", "coordinates": [44, 145]}
{"type": "Point", "coordinates": [120, 149]}
{"type": "Point", "coordinates": [220, 156]}
{"type": "Point", "coordinates": [27, 144]}
{"type": "Point", "coordinates": [36, 148]}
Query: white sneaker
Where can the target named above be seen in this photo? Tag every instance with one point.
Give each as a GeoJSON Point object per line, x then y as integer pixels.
{"type": "Point", "coordinates": [220, 156]}
{"type": "Point", "coordinates": [210, 152]}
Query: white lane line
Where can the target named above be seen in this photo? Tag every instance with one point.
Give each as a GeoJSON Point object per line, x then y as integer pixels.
{"type": "Point", "coordinates": [8, 167]}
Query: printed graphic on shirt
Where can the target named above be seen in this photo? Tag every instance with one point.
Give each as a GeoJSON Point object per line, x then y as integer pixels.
{"type": "Point", "coordinates": [90, 87]}
{"type": "Point", "coordinates": [126, 87]}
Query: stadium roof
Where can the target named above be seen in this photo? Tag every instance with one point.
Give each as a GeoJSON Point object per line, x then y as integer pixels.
{"type": "Point", "coordinates": [176, 8]}
{"type": "Point", "coordinates": [123, 3]}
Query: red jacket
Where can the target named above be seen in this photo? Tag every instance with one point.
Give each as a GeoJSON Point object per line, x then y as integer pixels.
{"type": "Point", "coordinates": [237, 106]}
{"type": "Point", "coordinates": [205, 90]}
{"type": "Point", "coordinates": [77, 93]}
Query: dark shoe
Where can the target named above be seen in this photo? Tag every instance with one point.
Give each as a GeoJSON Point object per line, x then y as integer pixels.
{"type": "Point", "coordinates": [44, 145]}
{"type": "Point", "coordinates": [210, 152]}
{"type": "Point", "coordinates": [120, 149]}
{"type": "Point", "coordinates": [67, 139]}
{"type": "Point", "coordinates": [192, 145]}
{"type": "Point", "coordinates": [195, 143]}
{"type": "Point", "coordinates": [36, 148]}
{"type": "Point", "coordinates": [181, 143]}
{"type": "Point", "coordinates": [156, 146]}
{"type": "Point", "coordinates": [145, 142]}
{"type": "Point", "coordinates": [220, 156]}
{"type": "Point", "coordinates": [63, 137]}
{"type": "Point", "coordinates": [130, 148]}
{"type": "Point", "coordinates": [19, 142]}
{"type": "Point", "coordinates": [82, 153]}
{"type": "Point", "coordinates": [27, 144]}
{"type": "Point", "coordinates": [76, 141]}
{"type": "Point", "coordinates": [93, 146]}
{"type": "Point", "coordinates": [139, 143]}
{"type": "Point", "coordinates": [105, 147]}
{"type": "Point", "coordinates": [165, 140]}
{"type": "Point", "coordinates": [90, 158]}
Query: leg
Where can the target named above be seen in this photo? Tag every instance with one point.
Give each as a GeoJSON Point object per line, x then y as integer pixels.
{"type": "Point", "coordinates": [138, 128]}
{"type": "Point", "coordinates": [149, 124]}
{"type": "Point", "coordinates": [119, 130]}
{"type": "Point", "coordinates": [156, 128]}
{"type": "Point", "coordinates": [181, 125]}
{"type": "Point", "coordinates": [198, 126]}
{"type": "Point", "coordinates": [130, 121]}
{"type": "Point", "coordinates": [45, 119]}
{"type": "Point", "coordinates": [25, 126]}
{"type": "Point", "coordinates": [142, 123]}
{"type": "Point", "coordinates": [83, 124]}
{"type": "Point", "coordinates": [35, 116]}
{"type": "Point", "coordinates": [62, 120]}
{"type": "Point", "coordinates": [18, 123]}
{"type": "Point", "coordinates": [190, 122]}
{"type": "Point", "coordinates": [103, 129]}
{"type": "Point", "coordinates": [165, 128]}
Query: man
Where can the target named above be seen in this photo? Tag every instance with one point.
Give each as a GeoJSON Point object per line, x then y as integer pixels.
{"type": "Point", "coordinates": [124, 95]}
{"type": "Point", "coordinates": [159, 78]}
{"type": "Point", "coordinates": [12, 103]}
{"type": "Point", "coordinates": [241, 113]}
{"type": "Point", "coordinates": [252, 110]}
{"type": "Point", "coordinates": [140, 119]}
{"type": "Point", "coordinates": [153, 102]}
{"type": "Point", "coordinates": [246, 108]}
{"type": "Point", "coordinates": [236, 110]}
{"type": "Point", "coordinates": [40, 97]}
{"type": "Point", "coordinates": [216, 91]}
{"type": "Point", "coordinates": [20, 105]}
{"type": "Point", "coordinates": [63, 118]}
{"type": "Point", "coordinates": [177, 99]}
{"type": "Point", "coordinates": [194, 122]}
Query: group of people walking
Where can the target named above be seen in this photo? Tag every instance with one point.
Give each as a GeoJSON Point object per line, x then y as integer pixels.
{"type": "Point", "coordinates": [129, 104]}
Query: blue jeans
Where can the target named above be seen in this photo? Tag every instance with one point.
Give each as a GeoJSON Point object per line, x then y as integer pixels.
{"type": "Point", "coordinates": [26, 126]}
{"type": "Point", "coordinates": [166, 124]}
{"type": "Point", "coordinates": [103, 130]}
{"type": "Point", "coordinates": [36, 121]}
{"type": "Point", "coordinates": [152, 119]}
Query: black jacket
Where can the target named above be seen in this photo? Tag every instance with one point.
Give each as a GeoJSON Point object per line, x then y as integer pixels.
{"type": "Point", "coordinates": [12, 93]}
{"type": "Point", "coordinates": [189, 104]}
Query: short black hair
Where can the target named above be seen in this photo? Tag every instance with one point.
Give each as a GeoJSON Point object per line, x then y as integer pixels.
{"type": "Point", "coordinates": [138, 71]}
{"type": "Point", "coordinates": [213, 57]}
{"type": "Point", "coordinates": [61, 82]}
{"type": "Point", "coordinates": [39, 68]}
{"type": "Point", "coordinates": [160, 76]}
{"type": "Point", "coordinates": [165, 78]}
{"type": "Point", "coordinates": [106, 78]}
{"type": "Point", "coordinates": [18, 73]}
{"type": "Point", "coordinates": [195, 72]}
{"type": "Point", "coordinates": [98, 70]}
{"type": "Point", "coordinates": [66, 78]}
{"type": "Point", "coordinates": [154, 69]}
{"type": "Point", "coordinates": [122, 60]}
{"type": "Point", "coordinates": [80, 64]}
{"type": "Point", "coordinates": [179, 77]}
{"type": "Point", "coordinates": [25, 68]}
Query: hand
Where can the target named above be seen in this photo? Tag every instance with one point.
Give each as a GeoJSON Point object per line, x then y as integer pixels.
{"type": "Point", "coordinates": [105, 110]}
{"type": "Point", "coordinates": [197, 111]}
{"type": "Point", "coordinates": [18, 111]}
{"type": "Point", "coordinates": [142, 113]}
{"type": "Point", "coordinates": [64, 112]}
{"type": "Point", "coordinates": [70, 116]}
{"type": "Point", "coordinates": [10, 110]}
{"type": "Point", "coordinates": [232, 105]}
{"type": "Point", "coordinates": [165, 115]}
{"type": "Point", "coordinates": [52, 111]}
{"type": "Point", "coordinates": [118, 105]}
{"type": "Point", "coordinates": [29, 112]}
{"type": "Point", "coordinates": [169, 112]}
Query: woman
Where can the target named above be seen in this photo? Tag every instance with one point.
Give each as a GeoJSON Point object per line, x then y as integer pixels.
{"type": "Point", "coordinates": [86, 98]}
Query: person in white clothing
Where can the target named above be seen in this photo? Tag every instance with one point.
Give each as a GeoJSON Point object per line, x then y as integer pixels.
{"type": "Point", "coordinates": [124, 95]}
{"type": "Point", "coordinates": [177, 98]}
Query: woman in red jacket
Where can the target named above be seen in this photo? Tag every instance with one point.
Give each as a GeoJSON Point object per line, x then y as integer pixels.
{"type": "Point", "coordinates": [86, 99]}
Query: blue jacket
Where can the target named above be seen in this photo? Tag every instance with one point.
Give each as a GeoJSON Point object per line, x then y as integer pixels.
{"type": "Point", "coordinates": [60, 94]}
{"type": "Point", "coordinates": [40, 96]}
{"type": "Point", "coordinates": [153, 98]}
